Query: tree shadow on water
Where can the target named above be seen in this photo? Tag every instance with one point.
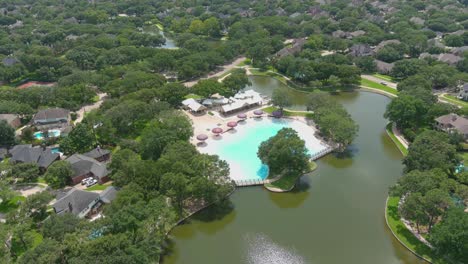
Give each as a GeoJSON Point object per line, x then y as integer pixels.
{"type": "Point", "coordinates": [343, 159]}
{"type": "Point", "coordinates": [215, 217]}
{"type": "Point", "coordinates": [295, 197]}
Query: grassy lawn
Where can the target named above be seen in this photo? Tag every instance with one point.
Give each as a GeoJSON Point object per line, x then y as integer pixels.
{"type": "Point", "coordinates": [8, 206]}
{"type": "Point", "coordinates": [98, 187]}
{"type": "Point", "coordinates": [464, 155]}
{"type": "Point", "coordinates": [404, 235]}
{"type": "Point", "coordinates": [395, 140]}
{"type": "Point", "coordinates": [383, 77]}
{"type": "Point", "coordinates": [378, 86]}
{"type": "Point", "coordinates": [271, 109]}
{"type": "Point", "coordinates": [194, 96]}
{"type": "Point", "coordinates": [454, 100]}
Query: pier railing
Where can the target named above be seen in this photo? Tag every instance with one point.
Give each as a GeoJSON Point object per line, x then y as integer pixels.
{"type": "Point", "coordinates": [321, 153]}
{"type": "Point", "coordinates": [252, 182]}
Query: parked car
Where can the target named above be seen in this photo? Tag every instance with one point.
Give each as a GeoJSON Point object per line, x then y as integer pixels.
{"type": "Point", "coordinates": [86, 180]}
{"type": "Point", "coordinates": [91, 182]}
{"type": "Point", "coordinates": [383, 83]}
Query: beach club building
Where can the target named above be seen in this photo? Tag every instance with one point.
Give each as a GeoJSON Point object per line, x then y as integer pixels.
{"type": "Point", "coordinates": [242, 101]}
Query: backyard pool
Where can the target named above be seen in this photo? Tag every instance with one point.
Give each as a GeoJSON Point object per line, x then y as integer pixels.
{"type": "Point", "coordinates": [239, 147]}
{"type": "Point", "coordinates": [52, 133]}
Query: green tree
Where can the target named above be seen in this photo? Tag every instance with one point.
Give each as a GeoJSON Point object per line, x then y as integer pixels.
{"type": "Point", "coordinates": [236, 81]}
{"type": "Point", "coordinates": [59, 174]}
{"type": "Point", "coordinates": [284, 153]}
{"type": "Point", "coordinates": [7, 134]}
{"type": "Point", "coordinates": [27, 172]}
{"type": "Point", "coordinates": [207, 88]}
{"type": "Point", "coordinates": [449, 237]}
{"type": "Point", "coordinates": [170, 127]}
{"type": "Point", "coordinates": [47, 252]}
{"type": "Point", "coordinates": [57, 226]}
{"type": "Point", "coordinates": [79, 140]}
{"type": "Point", "coordinates": [431, 149]}
{"type": "Point", "coordinates": [281, 98]}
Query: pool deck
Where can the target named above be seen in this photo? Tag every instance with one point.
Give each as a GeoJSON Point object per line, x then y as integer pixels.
{"type": "Point", "coordinates": [202, 124]}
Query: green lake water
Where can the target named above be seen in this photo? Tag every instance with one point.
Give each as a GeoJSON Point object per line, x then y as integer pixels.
{"type": "Point", "coordinates": [335, 215]}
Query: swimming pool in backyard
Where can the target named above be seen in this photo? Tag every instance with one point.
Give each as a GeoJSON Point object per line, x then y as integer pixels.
{"type": "Point", "coordinates": [52, 133]}
{"type": "Point", "coordinates": [239, 148]}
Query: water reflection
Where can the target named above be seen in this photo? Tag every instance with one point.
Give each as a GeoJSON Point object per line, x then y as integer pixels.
{"type": "Point", "coordinates": [263, 250]}
{"type": "Point", "coordinates": [294, 198]}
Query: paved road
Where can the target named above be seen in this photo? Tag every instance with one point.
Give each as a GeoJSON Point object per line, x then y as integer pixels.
{"type": "Point", "coordinates": [378, 80]}
{"type": "Point", "coordinates": [225, 69]}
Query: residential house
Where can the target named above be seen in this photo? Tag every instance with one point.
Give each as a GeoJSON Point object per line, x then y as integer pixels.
{"type": "Point", "coordinates": [451, 123]}
{"type": "Point", "coordinates": [459, 51]}
{"type": "Point", "coordinates": [98, 154]}
{"type": "Point", "coordinates": [417, 21]}
{"type": "Point", "coordinates": [193, 106]}
{"type": "Point", "coordinates": [382, 44]}
{"type": "Point", "coordinates": [384, 67]}
{"type": "Point", "coordinates": [11, 119]}
{"type": "Point", "coordinates": [449, 58]}
{"type": "Point", "coordinates": [43, 157]}
{"type": "Point", "coordinates": [84, 167]}
{"type": "Point", "coordinates": [463, 94]}
{"type": "Point", "coordinates": [51, 118]}
{"type": "Point", "coordinates": [76, 202]}
{"type": "Point", "coordinates": [297, 45]}
{"type": "Point", "coordinates": [361, 50]}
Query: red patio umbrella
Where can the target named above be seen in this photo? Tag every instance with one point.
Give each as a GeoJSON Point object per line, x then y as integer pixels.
{"type": "Point", "coordinates": [202, 137]}
{"type": "Point", "coordinates": [217, 130]}
{"type": "Point", "coordinates": [232, 124]}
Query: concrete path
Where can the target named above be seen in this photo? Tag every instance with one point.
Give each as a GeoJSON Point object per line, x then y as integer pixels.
{"type": "Point", "coordinates": [378, 80]}
{"type": "Point", "coordinates": [88, 108]}
{"type": "Point", "coordinates": [399, 136]}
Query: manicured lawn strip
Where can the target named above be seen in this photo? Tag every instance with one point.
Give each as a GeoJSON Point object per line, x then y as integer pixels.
{"type": "Point", "coordinates": [395, 140]}
{"type": "Point", "coordinates": [98, 187]}
{"type": "Point", "coordinates": [455, 100]}
{"type": "Point", "coordinates": [378, 86]}
{"type": "Point", "coordinates": [383, 77]}
{"type": "Point", "coordinates": [404, 235]}
{"type": "Point", "coordinates": [271, 109]}
{"type": "Point", "coordinates": [8, 206]}
{"type": "Point", "coordinates": [465, 157]}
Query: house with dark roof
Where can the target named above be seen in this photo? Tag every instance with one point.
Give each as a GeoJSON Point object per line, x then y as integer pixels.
{"type": "Point", "coordinates": [108, 195]}
{"type": "Point", "coordinates": [51, 118]}
{"type": "Point", "coordinates": [361, 50]}
{"type": "Point", "coordinates": [28, 154]}
{"type": "Point", "coordinates": [384, 67]}
{"type": "Point", "coordinates": [451, 123]}
{"type": "Point", "coordinates": [296, 47]}
{"type": "Point", "coordinates": [12, 119]}
{"type": "Point", "coordinates": [84, 167]}
{"type": "Point", "coordinates": [76, 202]}
{"type": "Point", "coordinates": [98, 154]}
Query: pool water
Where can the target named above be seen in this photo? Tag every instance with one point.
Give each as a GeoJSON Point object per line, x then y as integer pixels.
{"type": "Point", "coordinates": [55, 150]}
{"type": "Point", "coordinates": [52, 133]}
{"type": "Point", "coordinates": [239, 148]}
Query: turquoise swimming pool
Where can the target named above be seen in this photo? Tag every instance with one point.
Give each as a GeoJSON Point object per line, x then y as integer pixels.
{"type": "Point", "coordinates": [52, 133]}
{"type": "Point", "coordinates": [240, 148]}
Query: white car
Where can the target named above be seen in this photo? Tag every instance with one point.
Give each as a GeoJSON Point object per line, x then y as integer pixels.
{"type": "Point", "coordinates": [86, 180]}
{"type": "Point", "coordinates": [91, 182]}
{"type": "Point", "coordinates": [383, 83]}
